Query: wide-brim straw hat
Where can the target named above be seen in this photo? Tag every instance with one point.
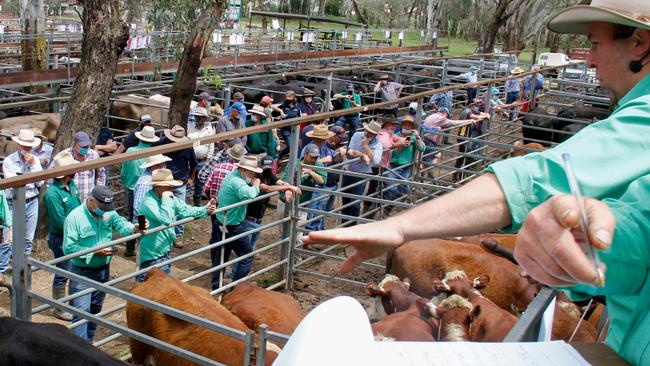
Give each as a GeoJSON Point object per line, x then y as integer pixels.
{"type": "Point", "coordinates": [64, 158]}
{"type": "Point", "coordinates": [574, 20]}
{"type": "Point", "coordinates": [236, 151]}
{"type": "Point", "coordinates": [148, 134]}
{"type": "Point", "coordinates": [164, 178]}
{"type": "Point", "coordinates": [320, 132]}
{"type": "Point", "coordinates": [26, 138]}
{"type": "Point", "coordinates": [372, 126]}
{"type": "Point", "coordinates": [249, 163]}
{"type": "Point", "coordinates": [517, 70]}
{"type": "Point", "coordinates": [257, 109]}
{"type": "Point", "coordinates": [175, 134]}
{"type": "Point", "coordinates": [155, 160]}
{"type": "Point", "coordinates": [201, 112]}
{"type": "Point", "coordinates": [383, 77]}
{"type": "Point", "coordinates": [409, 119]}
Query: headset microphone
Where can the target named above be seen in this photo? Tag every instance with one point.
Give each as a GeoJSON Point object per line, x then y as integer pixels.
{"type": "Point", "coordinates": [636, 65]}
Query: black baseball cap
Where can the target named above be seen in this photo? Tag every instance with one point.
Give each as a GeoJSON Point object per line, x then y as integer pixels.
{"type": "Point", "coordinates": [104, 197]}
{"type": "Point", "coordinates": [266, 162]}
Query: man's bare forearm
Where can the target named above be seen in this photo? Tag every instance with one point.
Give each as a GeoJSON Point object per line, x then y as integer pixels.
{"type": "Point", "coordinates": [478, 207]}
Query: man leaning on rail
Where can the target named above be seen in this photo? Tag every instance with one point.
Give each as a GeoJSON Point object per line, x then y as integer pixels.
{"type": "Point", "coordinates": [528, 194]}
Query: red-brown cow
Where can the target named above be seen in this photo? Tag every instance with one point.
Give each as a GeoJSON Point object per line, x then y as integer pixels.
{"type": "Point", "coordinates": [489, 322]}
{"type": "Point", "coordinates": [172, 292]}
{"type": "Point", "coordinates": [256, 306]}
{"type": "Point", "coordinates": [423, 260]}
{"type": "Point", "coordinates": [415, 324]}
{"type": "Point", "coordinates": [391, 295]}
{"type": "Point", "coordinates": [453, 313]}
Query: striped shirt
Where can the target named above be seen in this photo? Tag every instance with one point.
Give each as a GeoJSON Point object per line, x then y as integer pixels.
{"type": "Point", "coordinates": [219, 157]}
{"type": "Point", "coordinates": [512, 85]}
{"type": "Point", "coordinates": [88, 179]}
{"type": "Point", "coordinates": [142, 186]}
{"type": "Point", "coordinates": [220, 172]}
{"type": "Point", "coordinates": [389, 93]}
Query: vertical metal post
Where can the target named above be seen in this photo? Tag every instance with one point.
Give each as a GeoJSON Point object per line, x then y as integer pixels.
{"type": "Point", "coordinates": [261, 348]}
{"type": "Point", "coordinates": [290, 228]}
{"type": "Point", "coordinates": [21, 305]}
{"type": "Point", "coordinates": [68, 65]}
{"type": "Point", "coordinates": [418, 122]}
{"type": "Point", "coordinates": [248, 346]}
{"type": "Point", "coordinates": [397, 69]}
{"type": "Point", "coordinates": [443, 78]}
{"type": "Point", "coordinates": [328, 96]}
{"type": "Point", "coordinates": [227, 96]}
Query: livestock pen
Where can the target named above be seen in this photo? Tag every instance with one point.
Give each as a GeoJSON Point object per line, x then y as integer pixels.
{"type": "Point", "coordinates": [430, 180]}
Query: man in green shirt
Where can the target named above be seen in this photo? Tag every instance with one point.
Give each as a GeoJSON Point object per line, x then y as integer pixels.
{"type": "Point", "coordinates": [160, 207]}
{"type": "Point", "coordinates": [88, 226]}
{"type": "Point", "coordinates": [260, 143]}
{"type": "Point", "coordinates": [402, 157]}
{"type": "Point", "coordinates": [349, 99]}
{"type": "Point", "coordinates": [309, 177]}
{"type": "Point", "coordinates": [131, 172]}
{"type": "Point", "coordinates": [611, 162]}
{"type": "Point", "coordinates": [60, 198]}
{"type": "Point", "coordinates": [240, 185]}
{"type": "Point", "coordinates": [5, 220]}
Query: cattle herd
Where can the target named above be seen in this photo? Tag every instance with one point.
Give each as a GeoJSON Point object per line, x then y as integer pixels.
{"type": "Point", "coordinates": [460, 289]}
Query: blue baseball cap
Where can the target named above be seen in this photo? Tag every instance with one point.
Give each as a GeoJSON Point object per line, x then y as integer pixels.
{"type": "Point", "coordinates": [473, 68]}
{"type": "Point", "coordinates": [494, 91]}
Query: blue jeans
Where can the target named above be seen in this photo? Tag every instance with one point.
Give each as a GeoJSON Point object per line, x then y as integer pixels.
{"type": "Point", "coordinates": [286, 135]}
{"type": "Point", "coordinates": [358, 190]}
{"type": "Point", "coordinates": [353, 121]}
{"type": "Point", "coordinates": [397, 190]}
{"type": "Point", "coordinates": [55, 242]}
{"type": "Point", "coordinates": [130, 197]}
{"type": "Point", "coordinates": [146, 264]}
{"type": "Point", "coordinates": [240, 246]}
{"type": "Point", "coordinates": [319, 201]}
{"type": "Point", "coordinates": [91, 303]}
{"type": "Point", "coordinates": [31, 220]}
{"type": "Point", "coordinates": [198, 185]}
{"type": "Point", "coordinates": [181, 194]}
{"type": "Point", "coordinates": [512, 97]}
{"type": "Point", "coordinates": [253, 238]}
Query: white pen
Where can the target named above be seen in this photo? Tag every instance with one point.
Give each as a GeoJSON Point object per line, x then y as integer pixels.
{"type": "Point", "coordinates": [584, 221]}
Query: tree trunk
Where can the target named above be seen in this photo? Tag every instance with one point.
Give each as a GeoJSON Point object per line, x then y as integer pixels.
{"type": "Point", "coordinates": [321, 7]}
{"type": "Point", "coordinates": [188, 69]}
{"type": "Point", "coordinates": [500, 17]}
{"type": "Point", "coordinates": [360, 17]}
{"type": "Point", "coordinates": [33, 46]}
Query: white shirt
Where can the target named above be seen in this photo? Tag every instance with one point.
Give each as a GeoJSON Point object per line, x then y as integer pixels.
{"type": "Point", "coordinates": [469, 76]}
{"type": "Point", "coordinates": [44, 153]}
{"type": "Point", "coordinates": [14, 165]}
{"type": "Point", "coordinates": [206, 150]}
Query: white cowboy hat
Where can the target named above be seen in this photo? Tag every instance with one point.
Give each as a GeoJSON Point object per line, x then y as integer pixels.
{"type": "Point", "coordinates": [320, 132]}
{"type": "Point", "coordinates": [574, 20]}
{"type": "Point", "coordinates": [250, 163]}
{"type": "Point", "coordinates": [155, 160]}
{"type": "Point", "coordinates": [372, 126]}
{"type": "Point", "coordinates": [164, 178]}
{"type": "Point", "coordinates": [148, 134]}
{"type": "Point", "coordinates": [517, 70]}
{"type": "Point", "coordinates": [257, 109]}
{"type": "Point", "coordinates": [175, 134]}
{"type": "Point", "coordinates": [26, 138]}
{"type": "Point", "coordinates": [64, 158]}
{"type": "Point", "coordinates": [201, 112]}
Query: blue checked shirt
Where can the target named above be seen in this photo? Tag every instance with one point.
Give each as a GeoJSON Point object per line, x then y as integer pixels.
{"type": "Point", "coordinates": [142, 186]}
{"type": "Point", "coordinates": [444, 99]}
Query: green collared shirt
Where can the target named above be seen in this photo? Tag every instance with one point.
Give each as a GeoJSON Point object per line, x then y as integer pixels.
{"type": "Point", "coordinates": [163, 212]}
{"type": "Point", "coordinates": [235, 189]}
{"type": "Point", "coordinates": [132, 169]}
{"type": "Point", "coordinates": [59, 202]}
{"type": "Point", "coordinates": [82, 230]}
{"type": "Point", "coordinates": [261, 142]}
{"type": "Point", "coordinates": [306, 180]}
{"type": "Point", "coordinates": [5, 214]}
{"type": "Point", "coordinates": [407, 153]}
{"type": "Point", "coordinates": [611, 163]}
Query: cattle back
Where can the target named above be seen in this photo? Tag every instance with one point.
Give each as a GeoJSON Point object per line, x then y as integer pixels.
{"type": "Point", "coordinates": [256, 306]}
{"type": "Point", "coordinates": [172, 292]}
{"type": "Point", "coordinates": [126, 111]}
{"type": "Point", "coordinates": [46, 122]}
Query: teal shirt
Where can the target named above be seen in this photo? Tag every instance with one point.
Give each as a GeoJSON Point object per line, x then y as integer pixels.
{"type": "Point", "coordinates": [5, 214]}
{"type": "Point", "coordinates": [132, 169]}
{"type": "Point", "coordinates": [611, 163]}
{"type": "Point", "coordinates": [82, 230]}
{"type": "Point", "coordinates": [261, 142]}
{"type": "Point", "coordinates": [235, 189]}
{"type": "Point", "coordinates": [59, 202]}
{"type": "Point", "coordinates": [163, 212]}
{"type": "Point", "coordinates": [345, 103]}
{"type": "Point", "coordinates": [407, 154]}
{"type": "Point", "coordinates": [307, 181]}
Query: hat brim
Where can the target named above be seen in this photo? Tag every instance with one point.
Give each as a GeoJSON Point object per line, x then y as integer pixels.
{"type": "Point", "coordinates": [20, 142]}
{"type": "Point", "coordinates": [168, 133]}
{"type": "Point", "coordinates": [149, 164]}
{"type": "Point", "coordinates": [146, 139]}
{"type": "Point", "coordinates": [575, 20]}
{"type": "Point", "coordinates": [366, 127]}
{"type": "Point", "coordinates": [166, 183]}
{"type": "Point", "coordinates": [256, 170]}
{"type": "Point", "coordinates": [310, 134]}
{"type": "Point", "coordinates": [106, 207]}
{"type": "Point", "coordinates": [234, 157]}
{"type": "Point", "coordinates": [261, 114]}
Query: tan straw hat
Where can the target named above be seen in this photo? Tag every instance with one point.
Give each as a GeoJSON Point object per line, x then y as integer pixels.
{"type": "Point", "coordinates": [517, 70]}
{"type": "Point", "coordinates": [320, 132]}
{"type": "Point", "coordinates": [236, 152]}
{"type": "Point", "coordinates": [39, 133]}
{"type": "Point", "coordinates": [372, 126]}
{"type": "Point", "coordinates": [155, 160]}
{"type": "Point", "coordinates": [64, 158]}
{"type": "Point", "coordinates": [148, 134]}
{"type": "Point", "coordinates": [26, 138]}
{"type": "Point", "coordinates": [257, 109]}
{"type": "Point", "coordinates": [175, 134]}
{"type": "Point", "coordinates": [250, 163]}
{"type": "Point", "coordinates": [574, 20]}
{"type": "Point", "coordinates": [164, 178]}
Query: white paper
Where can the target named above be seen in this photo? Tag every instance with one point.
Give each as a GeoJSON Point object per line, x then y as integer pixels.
{"type": "Point", "coordinates": [338, 332]}
{"type": "Point", "coordinates": [305, 37]}
{"type": "Point", "coordinates": [344, 35]}
{"type": "Point", "coordinates": [387, 34]}
{"type": "Point", "coordinates": [232, 39]}
{"type": "Point", "coordinates": [134, 26]}
{"type": "Point", "coordinates": [400, 36]}
{"type": "Point", "coordinates": [312, 37]}
{"type": "Point", "coordinates": [434, 35]}
{"type": "Point", "coordinates": [61, 27]}
{"type": "Point", "coordinates": [217, 37]}
{"type": "Point", "coordinates": [275, 24]}
{"type": "Point", "coordinates": [2, 29]}
{"type": "Point", "coordinates": [358, 37]}
{"type": "Point", "coordinates": [241, 39]}
{"type": "Point", "coordinates": [546, 327]}
{"type": "Point", "coordinates": [290, 36]}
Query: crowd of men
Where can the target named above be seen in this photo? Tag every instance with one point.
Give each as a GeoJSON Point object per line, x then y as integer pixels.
{"type": "Point", "coordinates": [225, 180]}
